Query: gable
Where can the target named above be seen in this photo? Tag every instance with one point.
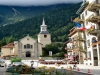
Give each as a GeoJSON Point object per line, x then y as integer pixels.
{"type": "Point", "coordinates": [27, 39]}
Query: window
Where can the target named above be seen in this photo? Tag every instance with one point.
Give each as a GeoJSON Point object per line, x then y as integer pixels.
{"type": "Point", "coordinates": [88, 41]}
{"type": "Point", "coordinates": [95, 58]}
{"type": "Point", "coordinates": [28, 45]}
{"type": "Point", "coordinates": [89, 55]}
{"type": "Point", "coordinates": [31, 46]}
{"type": "Point", "coordinates": [24, 46]}
{"type": "Point", "coordinates": [90, 63]}
{"type": "Point", "coordinates": [82, 16]}
{"type": "Point", "coordinates": [45, 36]}
{"type": "Point", "coordinates": [85, 12]}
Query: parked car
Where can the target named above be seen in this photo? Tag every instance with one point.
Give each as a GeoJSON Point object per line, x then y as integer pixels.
{"type": "Point", "coordinates": [17, 63]}
{"type": "Point", "coordinates": [2, 62]}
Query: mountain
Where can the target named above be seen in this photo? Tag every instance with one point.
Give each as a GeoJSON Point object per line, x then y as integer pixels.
{"type": "Point", "coordinates": [58, 22]}
{"type": "Point", "coordinates": [12, 14]}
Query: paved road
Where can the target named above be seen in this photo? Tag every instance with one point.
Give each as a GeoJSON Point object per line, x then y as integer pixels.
{"type": "Point", "coordinates": [92, 71]}
{"type": "Point", "coordinates": [2, 71]}
{"type": "Point", "coordinates": [74, 72]}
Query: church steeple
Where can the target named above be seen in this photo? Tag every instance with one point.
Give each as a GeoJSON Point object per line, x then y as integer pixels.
{"type": "Point", "coordinates": [43, 27]}
{"type": "Point", "coordinates": [43, 23]}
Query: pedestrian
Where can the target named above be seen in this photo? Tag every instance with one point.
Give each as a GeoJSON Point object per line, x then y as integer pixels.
{"type": "Point", "coordinates": [74, 66]}
{"type": "Point", "coordinates": [32, 62]}
{"type": "Point", "coordinates": [5, 65]}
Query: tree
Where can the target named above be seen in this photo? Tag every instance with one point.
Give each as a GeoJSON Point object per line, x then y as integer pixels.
{"type": "Point", "coordinates": [63, 48]}
{"type": "Point", "coordinates": [10, 39]}
{"type": "Point", "coordinates": [51, 47]}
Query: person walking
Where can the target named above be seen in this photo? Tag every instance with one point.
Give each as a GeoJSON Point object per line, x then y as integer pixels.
{"type": "Point", "coordinates": [32, 62]}
{"type": "Point", "coordinates": [74, 66]}
{"type": "Point", "coordinates": [5, 65]}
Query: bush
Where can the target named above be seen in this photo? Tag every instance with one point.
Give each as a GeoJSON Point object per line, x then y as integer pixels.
{"type": "Point", "coordinates": [15, 59]}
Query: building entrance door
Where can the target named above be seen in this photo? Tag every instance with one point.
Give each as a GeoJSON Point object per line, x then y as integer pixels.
{"type": "Point", "coordinates": [28, 54]}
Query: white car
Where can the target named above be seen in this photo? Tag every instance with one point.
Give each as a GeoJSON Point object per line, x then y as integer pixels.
{"type": "Point", "coordinates": [2, 62]}
{"type": "Point", "coordinates": [17, 63]}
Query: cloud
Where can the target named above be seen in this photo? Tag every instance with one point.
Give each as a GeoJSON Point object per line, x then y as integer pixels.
{"type": "Point", "coordinates": [35, 2]}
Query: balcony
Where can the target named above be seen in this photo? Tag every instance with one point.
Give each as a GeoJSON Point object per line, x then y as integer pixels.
{"type": "Point", "coordinates": [94, 47]}
{"type": "Point", "coordinates": [95, 32]}
{"type": "Point", "coordinates": [98, 43]}
{"type": "Point", "coordinates": [79, 20]}
{"type": "Point", "coordinates": [83, 50]}
{"type": "Point", "coordinates": [79, 38]}
{"type": "Point", "coordinates": [73, 32]}
{"type": "Point", "coordinates": [94, 44]}
{"type": "Point", "coordinates": [69, 49]}
{"type": "Point", "coordinates": [75, 49]}
{"type": "Point", "coordinates": [93, 18]}
{"type": "Point", "coordinates": [93, 6]}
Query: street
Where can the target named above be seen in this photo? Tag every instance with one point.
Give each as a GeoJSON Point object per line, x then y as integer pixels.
{"type": "Point", "coordinates": [2, 70]}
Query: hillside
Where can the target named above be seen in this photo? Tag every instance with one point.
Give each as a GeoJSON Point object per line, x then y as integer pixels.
{"type": "Point", "coordinates": [58, 22]}
{"type": "Point", "coordinates": [12, 14]}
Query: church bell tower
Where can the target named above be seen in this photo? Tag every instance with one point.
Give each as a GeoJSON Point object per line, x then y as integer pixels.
{"type": "Point", "coordinates": [44, 36]}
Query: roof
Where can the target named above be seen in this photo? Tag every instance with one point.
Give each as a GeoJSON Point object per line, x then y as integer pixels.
{"type": "Point", "coordinates": [10, 45]}
{"type": "Point", "coordinates": [44, 32]}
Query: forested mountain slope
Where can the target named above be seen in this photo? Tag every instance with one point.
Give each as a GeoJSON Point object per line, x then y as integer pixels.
{"type": "Point", "coordinates": [12, 14]}
{"type": "Point", "coordinates": [58, 22]}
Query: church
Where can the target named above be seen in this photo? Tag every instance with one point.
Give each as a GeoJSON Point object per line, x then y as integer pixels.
{"type": "Point", "coordinates": [28, 46]}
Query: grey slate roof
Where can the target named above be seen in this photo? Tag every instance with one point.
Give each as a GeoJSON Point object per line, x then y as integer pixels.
{"type": "Point", "coordinates": [44, 32]}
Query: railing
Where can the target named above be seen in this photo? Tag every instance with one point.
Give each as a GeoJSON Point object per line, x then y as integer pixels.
{"type": "Point", "coordinates": [83, 5]}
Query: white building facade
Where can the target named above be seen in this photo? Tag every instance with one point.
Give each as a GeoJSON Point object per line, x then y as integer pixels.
{"type": "Point", "coordinates": [89, 17]}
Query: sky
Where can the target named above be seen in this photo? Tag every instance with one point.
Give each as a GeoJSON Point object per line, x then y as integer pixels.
{"type": "Point", "coordinates": [35, 2]}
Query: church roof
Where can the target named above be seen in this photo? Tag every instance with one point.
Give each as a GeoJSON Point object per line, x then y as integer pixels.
{"type": "Point", "coordinates": [10, 45]}
{"type": "Point", "coordinates": [44, 32]}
